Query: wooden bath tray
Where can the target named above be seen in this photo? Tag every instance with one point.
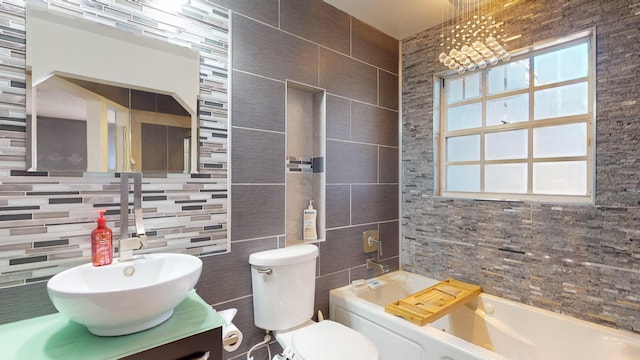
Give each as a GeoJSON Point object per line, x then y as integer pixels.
{"type": "Point", "coordinates": [434, 302]}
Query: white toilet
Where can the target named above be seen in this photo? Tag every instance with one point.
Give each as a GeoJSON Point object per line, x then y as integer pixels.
{"type": "Point", "coordinates": [283, 298]}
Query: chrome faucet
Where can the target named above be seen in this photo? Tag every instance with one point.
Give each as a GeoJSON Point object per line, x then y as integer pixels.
{"type": "Point", "coordinates": [373, 243]}
{"type": "Point", "coordinates": [373, 264]}
{"type": "Point", "coordinates": [128, 244]}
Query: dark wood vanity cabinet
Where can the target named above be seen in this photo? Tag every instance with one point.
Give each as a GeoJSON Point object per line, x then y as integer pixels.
{"type": "Point", "coordinates": [189, 348]}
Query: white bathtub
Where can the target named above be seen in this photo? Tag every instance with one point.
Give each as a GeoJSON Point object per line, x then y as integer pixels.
{"type": "Point", "coordinates": [488, 327]}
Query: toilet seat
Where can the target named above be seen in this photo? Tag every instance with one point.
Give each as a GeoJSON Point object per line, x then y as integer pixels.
{"type": "Point", "coordinates": [329, 340]}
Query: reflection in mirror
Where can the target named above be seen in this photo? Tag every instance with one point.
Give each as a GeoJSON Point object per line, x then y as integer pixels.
{"type": "Point", "coordinates": [108, 128]}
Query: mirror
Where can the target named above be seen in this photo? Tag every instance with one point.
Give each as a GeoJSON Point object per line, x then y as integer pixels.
{"type": "Point", "coordinates": [88, 126]}
{"type": "Point", "coordinates": [92, 107]}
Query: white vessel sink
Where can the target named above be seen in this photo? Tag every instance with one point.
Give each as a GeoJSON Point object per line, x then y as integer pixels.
{"type": "Point", "coordinates": [125, 297]}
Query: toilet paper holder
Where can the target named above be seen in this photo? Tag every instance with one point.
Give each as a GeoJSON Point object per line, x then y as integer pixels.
{"type": "Point", "coordinates": [230, 341]}
{"type": "Point", "coordinates": [231, 335]}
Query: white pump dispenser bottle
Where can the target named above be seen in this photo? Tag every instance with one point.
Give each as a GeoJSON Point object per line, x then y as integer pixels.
{"type": "Point", "coordinates": [309, 231]}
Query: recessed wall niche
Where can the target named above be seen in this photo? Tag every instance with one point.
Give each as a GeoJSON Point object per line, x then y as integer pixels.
{"type": "Point", "coordinates": [305, 155]}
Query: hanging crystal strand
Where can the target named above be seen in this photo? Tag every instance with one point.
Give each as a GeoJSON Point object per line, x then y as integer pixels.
{"type": "Point", "coordinates": [449, 57]}
{"type": "Point", "coordinates": [506, 56]}
{"type": "Point", "coordinates": [455, 53]}
{"type": "Point", "coordinates": [463, 17]}
{"type": "Point", "coordinates": [443, 30]}
{"type": "Point", "coordinates": [479, 44]}
{"type": "Point", "coordinates": [444, 27]}
{"type": "Point", "coordinates": [490, 37]}
{"type": "Point", "coordinates": [498, 49]}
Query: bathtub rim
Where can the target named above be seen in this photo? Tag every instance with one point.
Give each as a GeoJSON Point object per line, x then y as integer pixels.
{"type": "Point", "coordinates": [343, 297]}
{"type": "Point", "coordinates": [346, 298]}
{"type": "Point", "coordinates": [488, 296]}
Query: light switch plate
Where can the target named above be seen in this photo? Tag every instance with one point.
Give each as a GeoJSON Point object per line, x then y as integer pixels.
{"type": "Point", "coordinates": [365, 236]}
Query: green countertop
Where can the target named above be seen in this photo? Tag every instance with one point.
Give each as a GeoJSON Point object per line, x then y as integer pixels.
{"type": "Point", "coordinates": [54, 336]}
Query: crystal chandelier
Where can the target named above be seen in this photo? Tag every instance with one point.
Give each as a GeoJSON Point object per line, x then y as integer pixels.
{"type": "Point", "coordinates": [471, 39]}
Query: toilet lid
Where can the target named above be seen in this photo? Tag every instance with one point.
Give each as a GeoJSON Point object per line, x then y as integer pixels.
{"type": "Point", "coordinates": [331, 340]}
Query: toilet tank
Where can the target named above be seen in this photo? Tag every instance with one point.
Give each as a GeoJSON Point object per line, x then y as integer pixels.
{"type": "Point", "coordinates": [283, 282]}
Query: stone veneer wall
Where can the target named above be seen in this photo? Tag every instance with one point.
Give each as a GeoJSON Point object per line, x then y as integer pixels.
{"type": "Point", "coordinates": [580, 260]}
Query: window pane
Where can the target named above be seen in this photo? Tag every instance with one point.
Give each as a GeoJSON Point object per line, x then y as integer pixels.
{"type": "Point", "coordinates": [561, 101]}
{"type": "Point", "coordinates": [463, 178]}
{"type": "Point", "coordinates": [561, 140]}
{"type": "Point", "coordinates": [463, 88]}
{"type": "Point", "coordinates": [566, 64]}
{"type": "Point", "coordinates": [560, 178]}
{"type": "Point", "coordinates": [464, 117]}
{"type": "Point", "coordinates": [506, 145]}
{"type": "Point", "coordinates": [454, 90]}
{"type": "Point", "coordinates": [512, 76]}
{"type": "Point", "coordinates": [463, 148]}
{"type": "Point", "coordinates": [506, 178]}
{"type": "Point", "coordinates": [472, 86]}
{"type": "Point", "coordinates": [507, 110]}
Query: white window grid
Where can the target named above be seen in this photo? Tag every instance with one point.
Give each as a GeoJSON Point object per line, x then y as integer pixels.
{"type": "Point", "coordinates": [441, 134]}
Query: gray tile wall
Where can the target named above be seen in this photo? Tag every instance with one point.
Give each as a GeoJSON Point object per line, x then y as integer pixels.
{"type": "Point", "coordinates": [316, 22]}
{"type": "Point", "coordinates": [580, 260]}
{"type": "Point", "coordinates": [310, 45]}
{"type": "Point", "coordinates": [271, 43]}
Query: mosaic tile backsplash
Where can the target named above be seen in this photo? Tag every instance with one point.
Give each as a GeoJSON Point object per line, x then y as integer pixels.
{"type": "Point", "coordinates": [46, 218]}
{"type": "Point", "coordinates": [581, 260]}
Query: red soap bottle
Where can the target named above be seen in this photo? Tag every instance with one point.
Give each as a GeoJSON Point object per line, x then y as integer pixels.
{"type": "Point", "coordinates": [101, 243]}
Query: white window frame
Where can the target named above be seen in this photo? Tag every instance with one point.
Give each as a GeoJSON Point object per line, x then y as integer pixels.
{"type": "Point", "coordinates": [440, 133]}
